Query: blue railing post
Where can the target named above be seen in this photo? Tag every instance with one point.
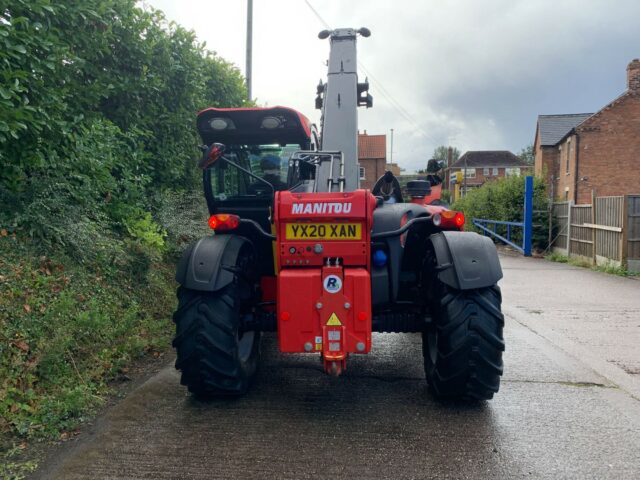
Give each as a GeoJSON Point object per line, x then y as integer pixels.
{"type": "Point", "coordinates": [526, 225]}
{"type": "Point", "coordinates": [528, 216]}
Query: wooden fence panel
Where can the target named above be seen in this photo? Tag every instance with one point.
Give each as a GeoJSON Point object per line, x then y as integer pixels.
{"type": "Point", "coordinates": [581, 235]}
{"type": "Point", "coordinates": [610, 233]}
{"type": "Point", "coordinates": [560, 215]}
{"type": "Point", "coordinates": [632, 232]}
{"type": "Point", "coordinates": [608, 226]}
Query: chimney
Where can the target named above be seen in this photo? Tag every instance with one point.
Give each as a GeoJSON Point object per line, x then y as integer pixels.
{"type": "Point", "coordinates": [633, 76]}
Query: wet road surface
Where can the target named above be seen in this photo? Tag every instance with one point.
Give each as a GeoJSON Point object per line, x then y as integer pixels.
{"type": "Point", "coordinates": [560, 413]}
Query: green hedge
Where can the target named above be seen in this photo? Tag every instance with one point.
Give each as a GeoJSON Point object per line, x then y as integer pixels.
{"type": "Point", "coordinates": [503, 199]}
{"type": "Point", "coordinates": [98, 194]}
{"type": "Point", "coordinates": [97, 111]}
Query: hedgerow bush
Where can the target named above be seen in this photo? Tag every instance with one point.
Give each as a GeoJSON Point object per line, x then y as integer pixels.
{"type": "Point", "coordinates": [503, 199]}
{"type": "Point", "coordinates": [97, 113]}
{"type": "Point", "coordinates": [97, 147]}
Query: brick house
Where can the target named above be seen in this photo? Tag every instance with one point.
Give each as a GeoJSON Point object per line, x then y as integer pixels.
{"type": "Point", "coordinates": [599, 152]}
{"type": "Point", "coordinates": [372, 156]}
{"type": "Point", "coordinates": [484, 165]}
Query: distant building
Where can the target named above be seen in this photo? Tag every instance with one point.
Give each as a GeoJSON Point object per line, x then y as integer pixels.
{"type": "Point", "coordinates": [372, 156]}
{"type": "Point", "coordinates": [581, 153]}
{"type": "Point", "coordinates": [484, 165]}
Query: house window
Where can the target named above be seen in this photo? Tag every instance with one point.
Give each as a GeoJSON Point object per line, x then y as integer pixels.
{"type": "Point", "coordinates": [512, 171]}
{"type": "Point", "coordinates": [495, 171]}
{"type": "Point", "coordinates": [362, 174]}
{"type": "Point", "coordinates": [568, 154]}
{"type": "Point", "coordinates": [485, 172]}
{"type": "Point", "coordinates": [469, 172]}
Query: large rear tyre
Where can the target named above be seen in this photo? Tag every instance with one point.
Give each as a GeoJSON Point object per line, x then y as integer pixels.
{"type": "Point", "coordinates": [463, 347]}
{"type": "Point", "coordinates": [216, 357]}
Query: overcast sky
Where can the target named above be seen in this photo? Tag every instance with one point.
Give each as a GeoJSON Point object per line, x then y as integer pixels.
{"type": "Point", "coordinates": [473, 74]}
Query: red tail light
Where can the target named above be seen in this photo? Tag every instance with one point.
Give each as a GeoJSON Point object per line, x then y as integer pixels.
{"type": "Point", "coordinates": [223, 221]}
{"type": "Point", "coordinates": [449, 219]}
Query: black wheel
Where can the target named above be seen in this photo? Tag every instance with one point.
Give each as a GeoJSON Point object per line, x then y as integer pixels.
{"type": "Point", "coordinates": [463, 346]}
{"type": "Point", "coordinates": [214, 354]}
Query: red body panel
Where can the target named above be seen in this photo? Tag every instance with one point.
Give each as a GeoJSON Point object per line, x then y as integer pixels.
{"type": "Point", "coordinates": [323, 286]}
{"type": "Point", "coordinates": [436, 192]}
{"type": "Point", "coordinates": [301, 292]}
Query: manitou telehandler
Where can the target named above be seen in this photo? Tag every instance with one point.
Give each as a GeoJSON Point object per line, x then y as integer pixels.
{"type": "Point", "coordinates": [300, 249]}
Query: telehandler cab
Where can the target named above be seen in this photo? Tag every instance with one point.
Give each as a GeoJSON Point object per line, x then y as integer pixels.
{"type": "Point", "coordinates": [300, 249]}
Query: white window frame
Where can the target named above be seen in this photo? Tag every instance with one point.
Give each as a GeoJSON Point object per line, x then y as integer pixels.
{"type": "Point", "coordinates": [469, 172]}
{"type": "Point", "coordinates": [362, 173]}
{"type": "Point", "coordinates": [512, 172]}
{"type": "Point", "coordinates": [495, 172]}
{"type": "Point", "coordinates": [485, 171]}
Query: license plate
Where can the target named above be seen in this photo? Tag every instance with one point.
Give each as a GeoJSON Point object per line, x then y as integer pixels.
{"type": "Point", "coordinates": [324, 231]}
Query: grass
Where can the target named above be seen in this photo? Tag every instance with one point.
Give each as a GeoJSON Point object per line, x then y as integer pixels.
{"type": "Point", "coordinates": [557, 257]}
{"type": "Point", "coordinates": [66, 329]}
{"type": "Point", "coordinates": [609, 268]}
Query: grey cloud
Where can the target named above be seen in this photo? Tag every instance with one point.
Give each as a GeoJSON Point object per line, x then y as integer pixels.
{"type": "Point", "coordinates": [473, 73]}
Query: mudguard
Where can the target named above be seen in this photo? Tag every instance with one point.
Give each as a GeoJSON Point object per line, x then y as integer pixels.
{"type": "Point", "coordinates": [385, 281]}
{"type": "Point", "coordinates": [466, 260]}
{"type": "Point", "coordinates": [202, 264]}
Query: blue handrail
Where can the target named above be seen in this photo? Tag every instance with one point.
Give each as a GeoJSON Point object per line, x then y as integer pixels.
{"type": "Point", "coordinates": [526, 225]}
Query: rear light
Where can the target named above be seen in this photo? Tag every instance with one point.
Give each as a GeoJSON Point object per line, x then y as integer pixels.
{"type": "Point", "coordinates": [223, 221]}
{"type": "Point", "coordinates": [449, 219]}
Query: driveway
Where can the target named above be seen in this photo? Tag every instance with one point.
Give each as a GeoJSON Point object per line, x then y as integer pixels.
{"type": "Point", "coordinates": [568, 407]}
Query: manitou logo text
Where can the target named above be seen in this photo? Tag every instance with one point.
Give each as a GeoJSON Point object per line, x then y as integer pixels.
{"type": "Point", "coordinates": [321, 208]}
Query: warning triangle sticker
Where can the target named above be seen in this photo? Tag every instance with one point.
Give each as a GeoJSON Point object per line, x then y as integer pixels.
{"type": "Point", "coordinates": [333, 321]}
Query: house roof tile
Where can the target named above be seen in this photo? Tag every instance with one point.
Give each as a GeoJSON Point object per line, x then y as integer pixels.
{"type": "Point", "coordinates": [554, 128]}
{"type": "Point", "coordinates": [489, 158]}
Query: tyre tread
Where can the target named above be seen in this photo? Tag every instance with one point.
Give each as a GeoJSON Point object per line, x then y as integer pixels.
{"type": "Point", "coordinates": [206, 343]}
{"type": "Point", "coordinates": [470, 345]}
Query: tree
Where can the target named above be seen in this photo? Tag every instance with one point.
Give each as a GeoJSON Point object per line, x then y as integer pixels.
{"type": "Point", "coordinates": [527, 155]}
{"type": "Point", "coordinates": [441, 153]}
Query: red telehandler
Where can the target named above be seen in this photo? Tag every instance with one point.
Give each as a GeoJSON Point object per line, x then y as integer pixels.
{"type": "Point", "coordinates": [300, 249]}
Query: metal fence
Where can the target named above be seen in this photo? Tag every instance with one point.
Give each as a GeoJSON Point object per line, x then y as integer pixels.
{"type": "Point", "coordinates": [606, 231]}
{"type": "Point", "coordinates": [489, 227]}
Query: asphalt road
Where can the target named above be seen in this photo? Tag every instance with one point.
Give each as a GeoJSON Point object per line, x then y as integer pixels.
{"type": "Point", "coordinates": [569, 405]}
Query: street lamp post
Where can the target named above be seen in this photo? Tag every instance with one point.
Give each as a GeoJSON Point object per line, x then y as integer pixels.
{"type": "Point", "coordinates": [249, 46]}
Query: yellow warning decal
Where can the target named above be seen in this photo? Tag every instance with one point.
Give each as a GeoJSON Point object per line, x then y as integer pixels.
{"type": "Point", "coordinates": [333, 321]}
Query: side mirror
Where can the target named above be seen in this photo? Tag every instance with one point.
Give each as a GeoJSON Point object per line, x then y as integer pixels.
{"type": "Point", "coordinates": [211, 155]}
